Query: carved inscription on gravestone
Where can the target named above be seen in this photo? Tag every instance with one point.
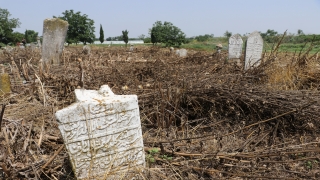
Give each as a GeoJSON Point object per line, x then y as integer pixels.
{"type": "Point", "coordinates": [254, 48]}
{"type": "Point", "coordinates": [235, 46]}
{"type": "Point", "coordinates": [102, 133]}
{"type": "Point", "coordinates": [54, 35]}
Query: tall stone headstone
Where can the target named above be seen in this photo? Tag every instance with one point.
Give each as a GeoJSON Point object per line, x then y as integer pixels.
{"type": "Point", "coordinates": [254, 47]}
{"type": "Point", "coordinates": [235, 46]}
{"type": "Point", "coordinates": [102, 134]}
{"type": "Point", "coordinates": [54, 35]}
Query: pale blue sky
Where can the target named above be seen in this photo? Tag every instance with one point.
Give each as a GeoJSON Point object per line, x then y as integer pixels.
{"type": "Point", "coordinates": [194, 17]}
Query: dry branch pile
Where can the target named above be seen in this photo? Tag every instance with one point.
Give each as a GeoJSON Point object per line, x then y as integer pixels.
{"type": "Point", "coordinates": [202, 117]}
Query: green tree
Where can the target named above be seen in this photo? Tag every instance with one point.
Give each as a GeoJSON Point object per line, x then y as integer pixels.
{"type": "Point", "coordinates": [156, 33]}
{"type": "Point", "coordinates": [269, 36]}
{"type": "Point", "coordinates": [300, 32]}
{"type": "Point", "coordinates": [101, 38]}
{"type": "Point", "coordinates": [227, 34]}
{"type": "Point", "coordinates": [7, 25]}
{"type": "Point", "coordinates": [30, 36]}
{"type": "Point", "coordinates": [81, 28]}
{"type": "Point", "coordinates": [17, 37]}
{"type": "Point", "coordinates": [125, 36]}
{"type": "Point", "coordinates": [153, 38]}
{"type": "Point", "coordinates": [167, 33]}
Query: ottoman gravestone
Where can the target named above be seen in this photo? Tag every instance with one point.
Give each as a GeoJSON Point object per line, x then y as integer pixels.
{"type": "Point", "coordinates": [254, 46]}
{"type": "Point", "coordinates": [54, 35]}
{"type": "Point", "coordinates": [102, 133]}
{"type": "Point", "coordinates": [235, 46]}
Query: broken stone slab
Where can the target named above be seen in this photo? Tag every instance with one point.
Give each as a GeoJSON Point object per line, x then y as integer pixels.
{"type": "Point", "coordinates": [102, 134]}
{"type": "Point", "coordinates": [254, 47]}
{"type": "Point", "coordinates": [54, 35]}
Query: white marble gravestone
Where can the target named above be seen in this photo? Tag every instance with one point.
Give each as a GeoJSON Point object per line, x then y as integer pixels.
{"type": "Point", "coordinates": [254, 46]}
{"type": "Point", "coordinates": [235, 46]}
{"type": "Point", "coordinates": [102, 133]}
{"type": "Point", "coordinates": [54, 35]}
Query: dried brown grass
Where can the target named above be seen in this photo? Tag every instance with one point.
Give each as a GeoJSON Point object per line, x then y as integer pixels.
{"type": "Point", "coordinates": [214, 120]}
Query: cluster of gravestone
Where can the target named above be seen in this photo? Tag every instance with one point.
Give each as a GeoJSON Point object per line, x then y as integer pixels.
{"type": "Point", "coordinates": [102, 131]}
{"type": "Point", "coordinates": [253, 49]}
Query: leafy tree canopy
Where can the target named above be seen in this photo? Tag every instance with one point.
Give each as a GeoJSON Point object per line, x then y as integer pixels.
{"type": "Point", "coordinates": [270, 36]}
{"type": "Point", "coordinates": [300, 32]}
{"type": "Point", "coordinates": [30, 36]}
{"type": "Point", "coordinates": [227, 34]}
{"type": "Point", "coordinates": [7, 25]}
{"type": "Point", "coordinates": [205, 37]}
{"type": "Point", "coordinates": [81, 28]}
{"type": "Point", "coordinates": [167, 33]}
{"type": "Point", "coordinates": [17, 37]}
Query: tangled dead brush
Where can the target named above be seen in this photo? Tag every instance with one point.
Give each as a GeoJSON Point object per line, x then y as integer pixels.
{"type": "Point", "coordinates": [202, 118]}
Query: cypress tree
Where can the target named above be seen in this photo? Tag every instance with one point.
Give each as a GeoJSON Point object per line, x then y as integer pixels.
{"type": "Point", "coordinates": [101, 38]}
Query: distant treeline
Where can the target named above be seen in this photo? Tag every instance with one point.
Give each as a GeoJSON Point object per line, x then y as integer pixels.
{"type": "Point", "coordinates": [269, 37]}
{"type": "Point", "coordinates": [296, 39]}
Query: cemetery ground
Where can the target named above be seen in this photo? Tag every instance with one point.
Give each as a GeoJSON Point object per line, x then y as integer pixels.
{"type": "Point", "coordinates": [203, 116]}
{"type": "Point", "coordinates": [208, 46]}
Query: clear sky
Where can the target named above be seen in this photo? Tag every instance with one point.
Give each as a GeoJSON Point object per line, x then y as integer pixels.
{"type": "Point", "coordinates": [193, 17]}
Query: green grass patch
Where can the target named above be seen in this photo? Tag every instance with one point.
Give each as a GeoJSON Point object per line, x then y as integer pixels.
{"type": "Point", "coordinates": [211, 46]}
{"type": "Point", "coordinates": [290, 47]}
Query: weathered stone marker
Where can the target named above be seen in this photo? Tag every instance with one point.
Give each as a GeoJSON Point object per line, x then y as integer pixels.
{"type": "Point", "coordinates": [39, 42]}
{"type": "Point", "coordinates": [102, 133]}
{"type": "Point", "coordinates": [181, 52]}
{"type": "Point", "coordinates": [5, 86]}
{"type": "Point", "coordinates": [86, 49]}
{"type": "Point", "coordinates": [131, 48]}
{"type": "Point", "coordinates": [235, 46]}
{"type": "Point", "coordinates": [254, 46]}
{"type": "Point", "coordinates": [54, 35]}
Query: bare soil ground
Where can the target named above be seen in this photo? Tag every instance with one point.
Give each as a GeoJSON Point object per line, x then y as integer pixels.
{"type": "Point", "coordinates": [203, 117]}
